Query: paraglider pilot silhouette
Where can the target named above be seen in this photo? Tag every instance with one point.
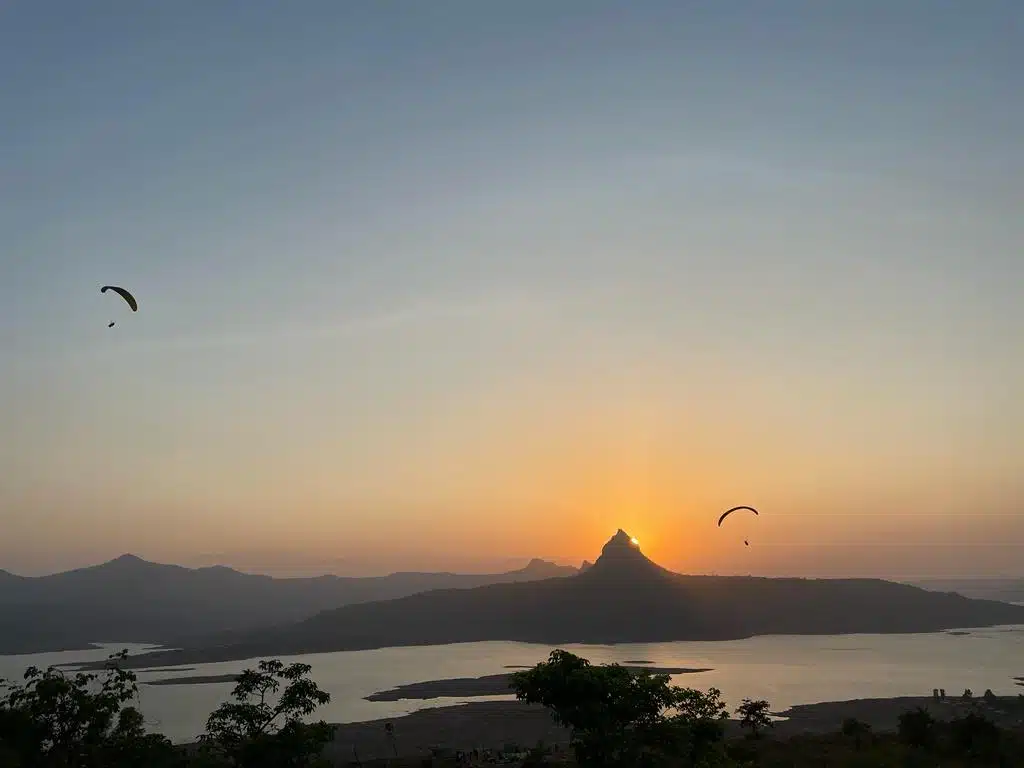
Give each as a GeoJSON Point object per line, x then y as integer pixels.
{"type": "Point", "coordinates": [735, 509]}
{"type": "Point", "coordinates": [129, 299]}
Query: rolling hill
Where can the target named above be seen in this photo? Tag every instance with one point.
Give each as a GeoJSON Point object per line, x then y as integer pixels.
{"type": "Point", "coordinates": [131, 600]}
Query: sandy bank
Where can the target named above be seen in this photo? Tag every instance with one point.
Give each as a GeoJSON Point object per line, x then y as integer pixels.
{"type": "Point", "coordinates": [488, 685]}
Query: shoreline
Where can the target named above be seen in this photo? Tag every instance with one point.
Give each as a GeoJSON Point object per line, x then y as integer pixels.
{"type": "Point", "coordinates": [455, 687]}
{"type": "Point", "coordinates": [176, 657]}
{"type": "Point", "coordinates": [494, 724]}
{"type": "Point", "coordinates": [883, 714]}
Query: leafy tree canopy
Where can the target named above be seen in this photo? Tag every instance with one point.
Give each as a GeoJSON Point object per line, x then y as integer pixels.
{"type": "Point", "coordinates": [620, 716]}
{"type": "Point", "coordinates": [81, 720]}
{"type": "Point", "coordinates": [263, 726]}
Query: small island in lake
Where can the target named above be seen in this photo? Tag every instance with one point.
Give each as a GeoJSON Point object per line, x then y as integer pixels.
{"type": "Point", "coordinates": [487, 685]}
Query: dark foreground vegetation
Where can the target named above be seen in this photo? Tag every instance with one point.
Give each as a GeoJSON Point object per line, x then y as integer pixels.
{"type": "Point", "coordinates": [614, 715]}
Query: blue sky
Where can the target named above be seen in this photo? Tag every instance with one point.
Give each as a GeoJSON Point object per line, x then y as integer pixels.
{"type": "Point", "coordinates": [418, 281]}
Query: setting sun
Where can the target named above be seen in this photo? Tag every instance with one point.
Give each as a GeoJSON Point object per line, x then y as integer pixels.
{"type": "Point", "coordinates": [635, 542]}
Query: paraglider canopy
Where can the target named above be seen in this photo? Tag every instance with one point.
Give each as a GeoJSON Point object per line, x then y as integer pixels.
{"type": "Point", "coordinates": [123, 294]}
{"type": "Point", "coordinates": [734, 509]}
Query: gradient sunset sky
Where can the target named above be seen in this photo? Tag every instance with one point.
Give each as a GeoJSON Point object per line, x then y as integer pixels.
{"type": "Point", "coordinates": [449, 285]}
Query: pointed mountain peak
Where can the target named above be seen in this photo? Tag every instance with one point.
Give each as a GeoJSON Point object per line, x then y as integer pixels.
{"type": "Point", "coordinates": [621, 538]}
{"type": "Point", "coordinates": [619, 546]}
{"type": "Point", "coordinates": [120, 564]}
{"type": "Point", "coordinates": [621, 556]}
{"type": "Point", "coordinates": [128, 559]}
{"type": "Point", "coordinates": [131, 563]}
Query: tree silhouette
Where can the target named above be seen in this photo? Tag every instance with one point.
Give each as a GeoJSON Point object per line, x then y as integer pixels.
{"type": "Point", "coordinates": [84, 720]}
{"type": "Point", "coordinates": [618, 717]}
{"type": "Point", "coordinates": [754, 716]}
{"type": "Point", "coordinates": [974, 734]}
{"type": "Point", "coordinates": [623, 717]}
{"type": "Point", "coordinates": [389, 734]}
{"type": "Point", "coordinates": [917, 728]}
{"type": "Point", "coordinates": [256, 732]}
{"type": "Point", "coordinates": [856, 730]}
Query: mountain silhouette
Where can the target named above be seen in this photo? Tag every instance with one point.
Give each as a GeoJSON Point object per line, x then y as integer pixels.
{"type": "Point", "coordinates": [623, 597]}
{"type": "Point", "coordinates": [129, 599]}
{"type": "Point", "coordinates": [1004, 589]}
{"type": "Point", "coordinates": [622, 563]}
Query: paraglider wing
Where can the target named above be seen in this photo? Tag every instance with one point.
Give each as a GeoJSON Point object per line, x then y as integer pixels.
{"type": "Point", "coordinates": [123, 294]}
{"type": "Point", "coordinates": [730, 511]}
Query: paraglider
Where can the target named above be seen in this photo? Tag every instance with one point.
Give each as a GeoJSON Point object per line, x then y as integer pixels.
{"type": "Point", "coordinates": [734, 509]}
{"type": "Point", "coordinates": [124, 294]}
{"type": "Point", "coordinates": [746, 542]}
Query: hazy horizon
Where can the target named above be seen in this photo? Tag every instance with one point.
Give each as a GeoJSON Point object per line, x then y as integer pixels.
{"type": "Point", "coordinates": [280, 564]}
{"type": "Point", "coordinates": [470, 283]}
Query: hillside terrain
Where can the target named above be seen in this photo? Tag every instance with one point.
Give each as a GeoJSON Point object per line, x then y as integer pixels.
{"type": "Point", "coordinates": [131, 600]}
{"type": "Point", "coordinates": [624, 597]}
{"type": "Point", "coordinates": [1007, 590]}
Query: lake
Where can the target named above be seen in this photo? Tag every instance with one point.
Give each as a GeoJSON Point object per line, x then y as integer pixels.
{"type": "Point", "coordinates": [786, 670]}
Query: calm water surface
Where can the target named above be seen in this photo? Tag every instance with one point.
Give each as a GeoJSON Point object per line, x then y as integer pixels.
{"type": "Point", "coordinates": [786, 670]}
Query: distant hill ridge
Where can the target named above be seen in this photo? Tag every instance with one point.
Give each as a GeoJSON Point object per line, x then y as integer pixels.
{"type": "Point", "coordinates": [623, 597]}
{"type": "Point", "coordinates": [129, 599]}
{"type": "Point", "coordinates": [1006, 589]}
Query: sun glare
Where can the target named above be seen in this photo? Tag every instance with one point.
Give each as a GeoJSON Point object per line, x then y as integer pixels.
{"type": "Point", "coordinates": [635, 542]}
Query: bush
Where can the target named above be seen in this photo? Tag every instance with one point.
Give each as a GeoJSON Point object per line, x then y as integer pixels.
{"type": "Point", "coordinates": [917, 728]}
{"type": "Point", "coordinates": [974, 735]}
{"type": "Point", "coordinates": [856, 730]}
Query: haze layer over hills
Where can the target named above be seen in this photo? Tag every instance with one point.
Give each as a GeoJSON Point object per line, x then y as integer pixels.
{"type": "Point", "coordinates": [623, 597]}
{"type": "Point", "coordinates": [132, 600]}
{"type": "Point", "coordinates": [1007, 590]}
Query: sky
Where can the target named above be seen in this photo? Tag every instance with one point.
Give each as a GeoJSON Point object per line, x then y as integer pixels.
{"type": "Point", "coordinates": [451, 285]}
